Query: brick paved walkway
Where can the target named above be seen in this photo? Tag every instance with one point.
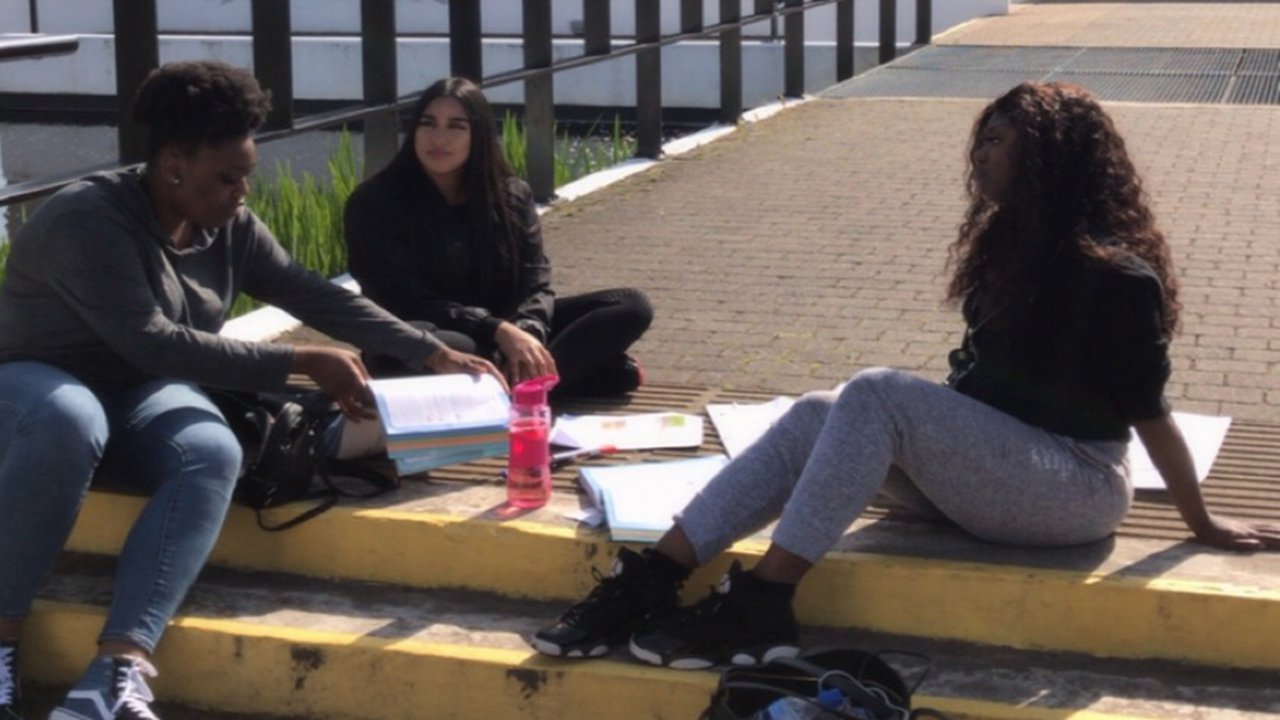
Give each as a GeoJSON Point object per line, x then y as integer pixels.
{"type": "Point", "coordinates": [1128, 24]}
{"type": "Point", "coordinates": [805, 247]}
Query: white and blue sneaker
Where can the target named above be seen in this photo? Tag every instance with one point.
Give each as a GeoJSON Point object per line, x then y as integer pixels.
{"type": "Point", "coordinates": [113, 688]}
{"type": "Point", "coordinates": [10, 691]}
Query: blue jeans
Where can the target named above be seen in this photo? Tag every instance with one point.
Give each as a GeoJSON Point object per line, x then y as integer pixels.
{"type": "Point", "coordinates": [163, 438]}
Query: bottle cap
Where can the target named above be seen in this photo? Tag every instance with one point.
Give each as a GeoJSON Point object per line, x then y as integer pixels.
{"type": "Point", "coordinates": [534, 392]}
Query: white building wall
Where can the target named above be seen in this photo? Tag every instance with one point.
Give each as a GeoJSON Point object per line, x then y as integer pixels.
{"type": "Point", "coordinates": [432, 16]}
{"type": "Point", "coordinates": [327, 66]}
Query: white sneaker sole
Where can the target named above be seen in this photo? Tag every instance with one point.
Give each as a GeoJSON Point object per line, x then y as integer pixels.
{"type": "Point", "coordinates": [554, 650]}
{"type": "Point", "coordinates": [696, 663]}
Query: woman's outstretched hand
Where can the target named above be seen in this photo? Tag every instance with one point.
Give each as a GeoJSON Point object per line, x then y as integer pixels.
{"type": "Point", "coordinates": [526, 357]}
{"type": "Point", "coordinates": [448, 360]}
{"type": "Point", "coordinates": [1238, 535]}
{"type": "Point", "coordinates": [341, 375]}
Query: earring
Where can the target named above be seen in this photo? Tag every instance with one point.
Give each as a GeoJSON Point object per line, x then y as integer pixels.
{"type": "Point", "coordinates": [175, 180]}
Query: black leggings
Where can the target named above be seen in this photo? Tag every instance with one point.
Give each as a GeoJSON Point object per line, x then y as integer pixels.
{"type": "Point", "coordinates": [590, 334]}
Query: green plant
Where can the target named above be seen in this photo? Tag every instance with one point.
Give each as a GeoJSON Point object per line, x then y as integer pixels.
{"type": "Point", "coordinates": [574, 156]}
{"type": "Point", "coordinates": [305, 215]}
{"type": "Point", "coordinates": [4, 255]}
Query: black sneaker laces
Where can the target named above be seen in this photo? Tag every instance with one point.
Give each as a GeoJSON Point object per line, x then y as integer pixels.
{"type": "Point", "coordinates": [8, 675]}
{"type": "Point", "coordinates": [132, 692]}
{"type": "Point", "coordinates": [700, 620]}
{"type": "Point", "coordinates": [607, 588]}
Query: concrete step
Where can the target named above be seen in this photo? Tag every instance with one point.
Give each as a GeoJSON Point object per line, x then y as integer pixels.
{"type": "Point", "coordinates": [263, 644]}
{"type": "Point", "coordinates": [1123, 598]}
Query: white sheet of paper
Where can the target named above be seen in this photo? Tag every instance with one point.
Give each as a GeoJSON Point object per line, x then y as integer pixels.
{"type": "Point", "coordinates": [439, 402]}
{"type": "Point", "coordinates": [643, 431]}
{"type": "Point", "coordinates": [741, 424]}
{"type": "Point", "coordinates": [1204, 435]}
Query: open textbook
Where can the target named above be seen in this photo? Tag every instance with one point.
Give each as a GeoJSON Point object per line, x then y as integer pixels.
{"type": "Point", "coordinates": [639, 500]}
{"type": "Point", "coordinates": [741, 424]}
{"type": "Point", "coordinates": [436, 420]}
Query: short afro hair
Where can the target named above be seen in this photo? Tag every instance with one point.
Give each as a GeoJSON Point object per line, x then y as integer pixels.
{"type": "Point", "coordinates": [190, 104]}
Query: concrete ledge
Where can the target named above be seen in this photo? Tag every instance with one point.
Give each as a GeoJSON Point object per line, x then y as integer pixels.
{"type": "Point", "coordinates": [979, 595]}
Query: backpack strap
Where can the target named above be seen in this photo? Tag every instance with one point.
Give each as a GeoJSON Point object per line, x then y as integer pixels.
{"type": "Point", "coordinates": [852, 688]}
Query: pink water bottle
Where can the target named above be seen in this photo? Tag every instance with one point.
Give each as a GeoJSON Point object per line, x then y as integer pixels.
{"type": "Point", "coordinates": [529, 464]}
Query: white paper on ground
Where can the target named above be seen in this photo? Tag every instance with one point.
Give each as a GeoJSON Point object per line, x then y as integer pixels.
{"type": "Point", "coordinates": [645, 431]}
{"type": "Point", "coordinates": [1204, 435]}
{"type": "Point", "coordinates": [741, 424]}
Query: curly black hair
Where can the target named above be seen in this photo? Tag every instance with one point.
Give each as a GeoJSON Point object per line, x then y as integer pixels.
{"type": "Point", "coordinates": [190, 104]}
{"type": "Point", "coordinates": [1075, 194]}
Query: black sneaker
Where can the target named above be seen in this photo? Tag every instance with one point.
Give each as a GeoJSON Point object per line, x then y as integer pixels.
{"type": "Point", "coordinates": [10, 686]}
{"type": "Point", "coordinates": [125, 697]}
{"type": "Point", "coordinates": [642, 586]}
{"type": "Point", "coordinates": [743, 622]}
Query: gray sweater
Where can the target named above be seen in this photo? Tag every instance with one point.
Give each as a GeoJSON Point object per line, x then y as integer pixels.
{"type": "Point", "coordinates": [95, 287]}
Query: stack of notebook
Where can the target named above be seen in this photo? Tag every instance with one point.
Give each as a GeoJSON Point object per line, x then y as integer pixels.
{"type": "Point", "coordinates": [435, 420]}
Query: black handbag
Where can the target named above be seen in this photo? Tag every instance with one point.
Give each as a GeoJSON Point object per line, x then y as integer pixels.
{"type": "Point", "coordinates": [282, 436]}
{"type": "Point", "coordinates": [873, 689]}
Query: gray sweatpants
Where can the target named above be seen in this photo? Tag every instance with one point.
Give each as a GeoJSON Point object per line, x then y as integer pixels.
{"type": "Point", "coordinates": [925, 446]}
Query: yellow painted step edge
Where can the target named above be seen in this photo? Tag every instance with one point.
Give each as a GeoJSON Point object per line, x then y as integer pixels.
{"type": "Point", "coordinates": [1031, 608]}
{"type": "Point", "coordinates": [234, 666]}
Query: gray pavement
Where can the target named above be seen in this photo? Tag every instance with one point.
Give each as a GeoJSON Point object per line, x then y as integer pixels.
{"type": "Point", "coordinates": [813, 244]}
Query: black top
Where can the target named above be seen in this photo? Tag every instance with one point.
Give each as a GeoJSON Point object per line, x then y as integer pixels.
{"type": "Point", "coordinates": [421, 258]}
{"type": "Point", "coordinates": [1084, 358]}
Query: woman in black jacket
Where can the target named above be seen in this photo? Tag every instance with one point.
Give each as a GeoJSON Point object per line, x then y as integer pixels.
{"type": "Point", "coordinates": [447, 237]}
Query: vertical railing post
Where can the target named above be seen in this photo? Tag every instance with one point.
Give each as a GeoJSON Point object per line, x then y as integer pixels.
{"type": "Point", "coordinates": [273, 58]}
{"type": "Point", "coordinates": [137, 46]}
{"type": "Point", "coordinates": [598, 30]}
{"type": "Point", "coordinates": [690, 16]}
{"type": "Point", "coordinates": [888, 30]}
{"type": "Point", "coordinates": [378, 54]}
{"type": "Point", "coordinates": [844, 40]}
{"type": "Point", "coordinates": [793, 33]}
{"type": "Point", "coordinates": [730, 63]}
{"type": "Point", "coordinates": [649, 79]}
{"type": "Point", "coordinates": [465, 58]}
{"type": "Point", "coordinates": [924, 22]}
{"type": "Point", "coordinates": [539, 101]}
{"type": "Point", "coordinates": [34, 15]}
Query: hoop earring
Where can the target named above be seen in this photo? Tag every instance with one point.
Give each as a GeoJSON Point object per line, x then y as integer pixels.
{"type": "Point", "coordinates": [175, 180]}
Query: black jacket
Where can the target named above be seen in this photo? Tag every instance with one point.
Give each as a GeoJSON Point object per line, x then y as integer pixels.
{"type": "Point", "coordinates": [1085, 357]}
{"type": "Point", "coordinates": [422, 259]}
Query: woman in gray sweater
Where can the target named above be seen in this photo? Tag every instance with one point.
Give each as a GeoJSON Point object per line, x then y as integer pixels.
{"type": "Point", "coordinates": [109, 316]}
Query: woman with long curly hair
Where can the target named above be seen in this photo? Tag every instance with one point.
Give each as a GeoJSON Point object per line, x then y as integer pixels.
{"type": "Point", "coordinates": [447, 237]}
{"type": "Point", "coordinates": [1070, 302]}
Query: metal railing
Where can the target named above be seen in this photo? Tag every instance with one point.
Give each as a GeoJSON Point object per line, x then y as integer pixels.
{"type": "Point", "coordinates": [137, 53]}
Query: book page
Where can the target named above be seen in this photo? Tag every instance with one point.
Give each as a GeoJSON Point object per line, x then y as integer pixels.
{"type": "Point", "coordinates": [439, 402]}
{"type": "Point", "coordinates": [1204, 435]}
{"type": "Point", "coordinates": [640, 499]}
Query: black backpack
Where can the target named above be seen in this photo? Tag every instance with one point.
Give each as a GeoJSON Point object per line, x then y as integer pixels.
{"type": "Point", "coordinates": [874, 689]}
{"type": "Point", "coordinates": [282, 436]}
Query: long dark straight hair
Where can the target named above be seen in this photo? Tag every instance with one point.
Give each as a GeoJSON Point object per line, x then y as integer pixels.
{"type": "Point", "coordinates": [486, 176]}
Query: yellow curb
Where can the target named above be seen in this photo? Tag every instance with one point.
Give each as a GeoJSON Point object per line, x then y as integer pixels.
{"type": "Point", "coordinates": [239, 667]}
{"type": "Point", "coordinates": [1029, 608]}
{"type": "Point", "coordinates": [234, 666]}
